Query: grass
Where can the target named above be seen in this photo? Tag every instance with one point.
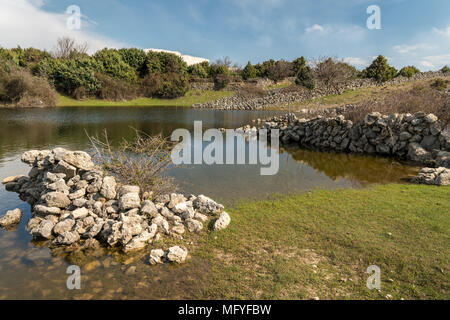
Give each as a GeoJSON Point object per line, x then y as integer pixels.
{"type": "Point", "coordinates": [320, 244]}
{"type": "Point", "coordinates": [188, 100]}
{"type": "Point", "coordinates": [356, 97]}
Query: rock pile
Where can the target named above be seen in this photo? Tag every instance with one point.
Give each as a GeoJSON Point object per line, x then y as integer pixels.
{"type": "Point", "coordinates": [75, 202]}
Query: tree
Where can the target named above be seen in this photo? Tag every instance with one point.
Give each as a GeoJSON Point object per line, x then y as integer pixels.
{"type": "Point", "coordinates": [67, 48]}
{"type": "Point", "coordinates": [249, 72]}
{"type": "Point", "coordinates": [198, 70]}
{"type": "Point", "coordinates": [380, 70]}
{"type": "Point", "coordinates": [305, 78]}
{"type": "Point", "coordinates": [445, 69]}
{"type": "Point", "coordinates": [280, 70]}
{"type": "Point", "coordinates": [135, 58]}
{"type": "Point", "coordinates": [298, 64]}
{"type": "Point", "coordinates": [333, 74]}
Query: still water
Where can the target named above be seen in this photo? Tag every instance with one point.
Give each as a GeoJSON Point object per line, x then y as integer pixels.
{"type": "Point", "coordinates": [30, 270]}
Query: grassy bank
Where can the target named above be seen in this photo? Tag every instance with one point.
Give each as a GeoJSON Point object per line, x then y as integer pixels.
{"type": "Point", "coordinates": [319, 244]}
{"type": "Point", "coordinates": [189, 99]}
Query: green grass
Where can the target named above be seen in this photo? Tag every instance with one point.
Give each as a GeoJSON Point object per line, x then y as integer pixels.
{"type": "Point", "coordinates": [320, 243]}
{"type": "Point", "coordinates": [188, 100]}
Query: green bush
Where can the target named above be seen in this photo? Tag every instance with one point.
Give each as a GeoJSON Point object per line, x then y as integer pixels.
{"type": "Point", "coordinates": [115, 89]}
{"type": "Point", "coordinates": [445, 69]}
{"type": "Point", "coordinates": [219, 69]}
{"type": "Point", "coordinates": [135, 58]}
{"type": "Point", "coordinates": [380, 70]}
{"type": "Point", "coordinates": [408, 71]}
{"type": "Point", "coordinates": [199, 70]}
{"type": "Point", "coordinates": [249, 72]}
{"type": "Point", "coordinates": [69, 75]}
{"type": "Point", "coordinates": [112, 64]}
{"type": "Point", "coordinates": [221, 81]}
{"type": "Point", "coordinates": [305, 78]}
{"type": "Point", "coordinates": [440, 84]}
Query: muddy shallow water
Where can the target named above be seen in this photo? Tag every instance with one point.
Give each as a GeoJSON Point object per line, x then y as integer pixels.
{"type": "Point", "coordinates": [29, 270]}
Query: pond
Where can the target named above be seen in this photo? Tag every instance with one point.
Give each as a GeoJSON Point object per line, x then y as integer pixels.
{"type": "Point", "coordinates": [30, 270]}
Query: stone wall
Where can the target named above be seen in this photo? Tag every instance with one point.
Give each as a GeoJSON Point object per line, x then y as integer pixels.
{"type": "Point", "coordinates": [420, 137]}
{"type": "Point", "coordinates": [282, 97]}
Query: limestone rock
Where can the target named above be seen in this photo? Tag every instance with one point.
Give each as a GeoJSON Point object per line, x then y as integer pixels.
{"type": "Point", "coordinates": [223, 221]}
{"type": "Point", "coordinates": [11, 218]}
{"type": "Point", "coordinates": [177, 254]}
{"type": "Point", "coordinates": [57, 199]}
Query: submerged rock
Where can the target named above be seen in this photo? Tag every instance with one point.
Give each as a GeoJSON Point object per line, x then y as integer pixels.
{"type": "Point", "coordinates": [11, 218]}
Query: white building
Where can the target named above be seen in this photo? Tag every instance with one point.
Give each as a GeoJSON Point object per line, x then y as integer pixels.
{"type": "Point", "coordinates": [190, 60]}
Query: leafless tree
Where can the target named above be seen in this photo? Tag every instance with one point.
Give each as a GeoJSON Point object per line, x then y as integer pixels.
{"type": "Point", "coordinates": [226, 61]}
{"type": "Point", "coordinates": [67, 48]}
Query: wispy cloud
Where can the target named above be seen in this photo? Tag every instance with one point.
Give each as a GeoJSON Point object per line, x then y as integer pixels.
{"type": "Point", "coordinates": [25, 23]}
{"type": "Point", "coordinates": [443, 32]}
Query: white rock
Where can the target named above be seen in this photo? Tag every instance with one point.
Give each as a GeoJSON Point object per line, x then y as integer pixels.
{"type": "Point", "coordinates": [223, 221]}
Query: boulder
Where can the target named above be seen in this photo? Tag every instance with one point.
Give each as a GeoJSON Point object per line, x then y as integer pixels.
{"type": "Point", "coordinates": [67, 238]}
{"type": "Point", "coordinates": [433, 176]}
{"type": "Point", "coordinates": [193, 225]}
{"type": "Point", "coordinates": [12, 179]}
{"type": "Point", "coordinates": [11, 218]}
{"type": "Point", "coordinates": [177, 254]}
{"type": "Point", "coordinates": [43, 230]}
{"type": "Point", "coordinates": [63, 226]}
{"type": "Point", "coordinates": [108, 189]}
{"type": "Point", "coordinates": [129, 201]}
{"type": "Point", "coordinates": [223, 221]}
{"type": "Point", "coordinates": [79, 213]}
{"type": "Point", "coordinates": [56, 199]}
{"type": "Point", "coordinates": [156, 256]}
{"type": "Point", "coordinates": [45, 211]}
{"type": "Point", "coordinates": [207, 206]}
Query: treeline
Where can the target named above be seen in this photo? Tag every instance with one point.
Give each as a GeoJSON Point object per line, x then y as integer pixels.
{"type": "Point", "coordinates": [32, 77]}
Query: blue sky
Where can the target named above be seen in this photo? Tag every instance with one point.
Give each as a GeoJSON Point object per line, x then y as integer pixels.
{"type": "Point", "coordinates": [413, 31]}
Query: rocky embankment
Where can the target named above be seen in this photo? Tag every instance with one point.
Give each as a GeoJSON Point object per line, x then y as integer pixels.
{"type": "Point", "coordinates": [74, 203]}
{"type": "Point", "coordinates": [279, 97]}
{"type": "Point", "coordinates": [419, 138]}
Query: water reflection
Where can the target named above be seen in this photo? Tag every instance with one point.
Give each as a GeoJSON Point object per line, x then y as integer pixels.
{"type": "Point", "coordinates": [30, 270]}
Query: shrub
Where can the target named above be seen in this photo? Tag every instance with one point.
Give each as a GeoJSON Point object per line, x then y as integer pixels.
{"type": "Point", "coordinates": [135, 58]}
{"type": "Point", "coordinates": [111, 63]}
{"type": "Point", "coordinates": [298, 64]}
{"type": "Point", "coordinates": [380, 70]}
{"type": "Point", "coordinates": [333, 74]}
{"type": "Point", "coordinates": [263, 69]}
{"type": "Point", "coordinates": [249, 72]}
{"type": "Point", "coordinates": [440, 84]}
{"type": "Point", "coordinates": [221, 81]}
{"type": "Point", "coordinates": [445, 69]}
{"type": "Point", "coordinates": [115, 89]}
{"type": "Point", "coordinates": [305, 78]}
{"type": "Point", "coordinates": [280, 70]}
{"type": "Point", "coordinates": [167, 85]}
{"type": "Point", "coordinates": [22, 89]}
{"type": "Point", "coordinates": [198, 70]}
{"type": "Point", "coordinates": [141, 161]}
{"type": "Point", "coordinates": [408, 71]}
{"type": "Point", "coordinates": [219, 69]}
{"type": "Point", "coordinates": [69, 75]}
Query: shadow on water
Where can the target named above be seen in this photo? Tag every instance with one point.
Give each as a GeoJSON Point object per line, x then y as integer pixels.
{"type": "Point", "coordinates": [30, 270]}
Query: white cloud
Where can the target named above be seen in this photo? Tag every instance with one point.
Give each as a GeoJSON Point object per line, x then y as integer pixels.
{"type": "Point", "coordinates": [359, 62]}
{"type": "Point", "coordinates": [442, 32]}
{"type": "Point", "coordinates": [25, 23]}
{"type": "Point", "coordinates": [409, 49]}
{"type": "Point", "coordinates": [316, 27]}
{"type": "Point", "coordinates": [436, 61]}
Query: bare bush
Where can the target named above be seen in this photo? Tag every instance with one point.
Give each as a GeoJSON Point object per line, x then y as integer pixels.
{"type": "Point", "coordinates": [333, 74]}
{"type": "Point", "coordinates": [251, 91]}
{"type": "Point", "coordinates": [68, 48]}
{"type": "Point", "coordinates": [22, 89]}
{"type": "Point", "coordinates": [142, 161]}
{"type": "Point", "coordinates": [413, 100]}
